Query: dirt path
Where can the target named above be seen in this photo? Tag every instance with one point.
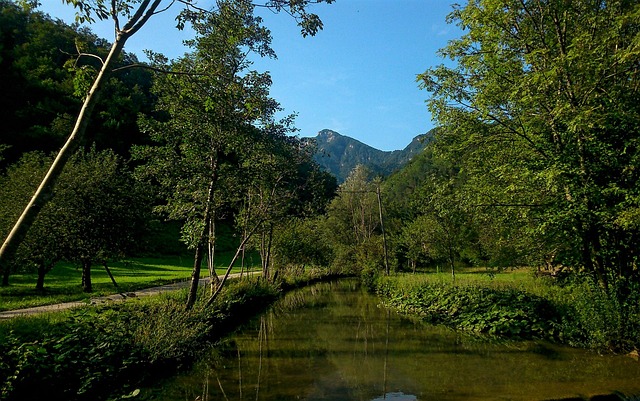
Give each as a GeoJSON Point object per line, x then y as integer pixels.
{"type": "Point", "coordinates": [109, 298]}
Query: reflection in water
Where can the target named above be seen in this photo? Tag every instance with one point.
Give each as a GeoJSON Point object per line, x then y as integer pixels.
{"type": "Point", "coordinates": [400, 396]}
{"type": "Point", "coordinates": [333, 342]}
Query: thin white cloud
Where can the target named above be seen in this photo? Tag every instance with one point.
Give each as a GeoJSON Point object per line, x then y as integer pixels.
{"type": "Point", "coordinates": [440, 30]}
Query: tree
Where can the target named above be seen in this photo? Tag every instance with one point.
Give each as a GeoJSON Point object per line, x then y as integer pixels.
{"type": "Point", "coordinates": [300, 242]}
{"type": "Point", "coordinates": [354, 220]}
{"type": "Point", "coordinates": [444, 215]}
{"type": "Point", "coordinates": [136, 14]}
{"type": "Point", "coordinates": [97, 213]}
{"type": "Point", "coordinates": [281, 184]}
{"type": "Point", "coordinates": [102, 213]}
{"type": "Point", "coordinates": [542, 113]}
{"type": "Point", "coordinates": [218, 129]}
{"type": "Point", "coordinates": [16, 185]}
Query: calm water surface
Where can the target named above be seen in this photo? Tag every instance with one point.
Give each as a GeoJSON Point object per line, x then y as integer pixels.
{"type": "Point", "coordinates": [333, 341]}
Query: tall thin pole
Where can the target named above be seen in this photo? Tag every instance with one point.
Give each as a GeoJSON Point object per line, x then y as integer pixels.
{"type": "Point", "coordinates": [384, 237]}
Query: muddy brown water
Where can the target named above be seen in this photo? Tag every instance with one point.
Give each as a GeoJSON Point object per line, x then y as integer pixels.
{"type": "Point", "coordinates": [333, 341]}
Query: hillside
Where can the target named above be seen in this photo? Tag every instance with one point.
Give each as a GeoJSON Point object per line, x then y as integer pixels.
{"type": "Point", "coordinates": [339, 154]}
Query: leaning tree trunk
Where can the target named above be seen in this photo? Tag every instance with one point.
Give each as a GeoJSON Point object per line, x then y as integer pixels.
{"type": "Point", "coordinates": [113, 279]}
{"type": "Point", "coordinates": [195, 277]}
{"type": "Point", "coordinates": [44, 192]}
{"type": "Point", "coordinates": [208, 212]}
{"type": "Point", "coordinates": [146, 9]}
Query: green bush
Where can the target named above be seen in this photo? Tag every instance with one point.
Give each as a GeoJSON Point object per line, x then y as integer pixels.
{"type": "Point", "coordinates": [500, 312]}
{"type": "Point", "coordinates": [118, 346]}
{"type": "Point", "coordinates": [600, 319]}
{"type": "Point", "coordinates": [578, 313]}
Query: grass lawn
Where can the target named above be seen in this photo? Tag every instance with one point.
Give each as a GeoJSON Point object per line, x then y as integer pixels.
{"type": "Point", "coordinates": [63, 283]}
{"type": "Point", "coordinates": [519, 278]}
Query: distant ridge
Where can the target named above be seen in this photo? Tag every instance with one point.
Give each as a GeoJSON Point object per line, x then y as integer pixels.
{"type": "Point", "coordinates": [339, 154]}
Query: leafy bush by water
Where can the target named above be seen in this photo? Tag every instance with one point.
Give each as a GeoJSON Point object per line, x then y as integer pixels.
{"type": "Point", "coordinates": [117, 346]}
{"type": "Point", "coordinates": [506, 312]}
{"type": "Point", "coordinates": [579, 314]}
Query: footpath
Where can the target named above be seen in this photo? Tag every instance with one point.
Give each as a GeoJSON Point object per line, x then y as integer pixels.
{"type": "Point", "coordinates": [109, 298]}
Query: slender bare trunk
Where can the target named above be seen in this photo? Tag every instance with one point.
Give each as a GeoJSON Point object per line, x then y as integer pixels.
{"type": "Point", "coordinates": [44, 191]}
{"type": "Point", "coordinates": [231, 264]}
{"type": "Point", "coordinates": [113, 279]}
{"type": "Point", "coordinates": [86, 276]}
{"type": "Point", "coordinates": [213, 276]}
{"type": "Point", "coordinates": [195, 277]}
{"type": "Point", "coordinates": [267, 257]}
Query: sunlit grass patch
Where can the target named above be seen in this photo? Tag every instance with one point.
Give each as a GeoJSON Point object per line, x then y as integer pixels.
{"type": "Point", "coordinates": [63, 283]}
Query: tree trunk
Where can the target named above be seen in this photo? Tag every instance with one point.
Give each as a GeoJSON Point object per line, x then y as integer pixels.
{"type": "Point", "coordinates": [86, 276]}
{"type": "Point", "coordinates": [195, 277]}
{"type": "Point", "coordinates": [44, 192]}
{"type": "Point", "coordinates": [208, 212]}
{"type": "Point", "coordinates": [5, 276]}
{"type": "Point", "coordinates": [267, 256]}
{"type": "Point", "coordinates": [590, 248]}
{"type": "Point", "coordinates": [41, 273]}
{"type": "Point", "coordinates": [113, 280]}
{"type": "Point", "coordinates": [213, 276]}
{"type": "Point", "coordinates": [452, 262]}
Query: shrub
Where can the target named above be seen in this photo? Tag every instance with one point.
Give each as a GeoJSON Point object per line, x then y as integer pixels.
{"type": "Point", "coordinates": [500, 312]}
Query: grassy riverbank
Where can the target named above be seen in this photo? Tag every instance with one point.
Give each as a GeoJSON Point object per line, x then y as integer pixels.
{"type": "Point", "coordinates": [515, 304]}
{"type": "Point", "coordinates": [109, 350]}
{"type": "Point", "coordinates": [62, 284]}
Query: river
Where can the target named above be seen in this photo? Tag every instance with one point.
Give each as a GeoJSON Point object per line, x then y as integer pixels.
{"type": "Point", "coordinates": [333, 341]}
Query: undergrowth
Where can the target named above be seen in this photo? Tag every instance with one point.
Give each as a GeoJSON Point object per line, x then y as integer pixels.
{"type": "Point", "coordinates": [577, 314]}
{"type": "Point", "coordinates": [95, 351]}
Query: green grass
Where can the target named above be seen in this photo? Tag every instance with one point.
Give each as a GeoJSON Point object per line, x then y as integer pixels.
{"type": "Point", "coordinates": [508, 301]}
{"type": "Point", "coordinates": [512, 278]}
{"type": "Point", "coordinates": [105, 351]}
{"type": "Point", "coordinates": [63, 283]}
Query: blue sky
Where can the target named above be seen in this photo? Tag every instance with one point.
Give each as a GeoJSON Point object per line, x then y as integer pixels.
{"type": "Point", "coordinates": [356, 77]}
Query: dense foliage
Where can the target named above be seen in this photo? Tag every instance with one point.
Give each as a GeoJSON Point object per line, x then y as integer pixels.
{"type": "Point", "coordinates": [115, 348]}
{"type": "Point", "coordinates": [540, 118]}
{"type": "Point", "coordinates": [42, 86]}
{"type": "Point", "coordinates": [577, 314]}
{"type": "Point", "coordinates": [208, 148]}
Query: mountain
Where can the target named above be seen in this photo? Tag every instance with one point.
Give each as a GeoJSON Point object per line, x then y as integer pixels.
{"type": "Point", "coordinates": [339, 154]}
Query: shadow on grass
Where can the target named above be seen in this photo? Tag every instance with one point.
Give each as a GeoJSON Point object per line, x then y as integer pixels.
{"type": "Point", "coordinates": [63, 283]}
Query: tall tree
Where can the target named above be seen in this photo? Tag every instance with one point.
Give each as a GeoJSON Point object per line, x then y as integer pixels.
{"type": "Point", "coordinates": [354, 220]}
{"type": "Point", "coordinates": [98, 213]}
{"type": "Point", "coordinates": [136, 13]}
{"type": "Point", "coordinates": [102, 213]}
{"type": "Point", "coordinates": [218, 116]}
{"type": "Point", "coordinates": [542, 113]}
